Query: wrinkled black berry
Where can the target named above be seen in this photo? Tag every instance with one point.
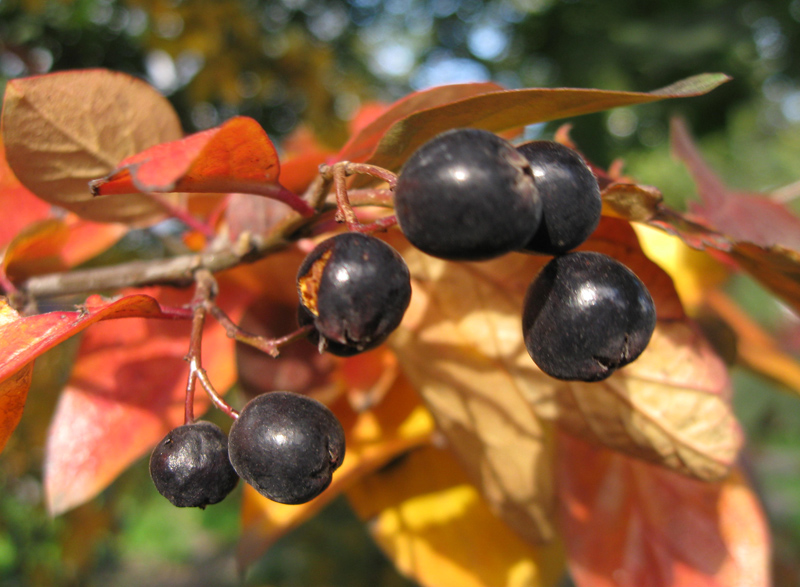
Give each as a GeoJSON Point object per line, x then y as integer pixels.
{"type": "Point", "coordinates": [354, 289]}
{"type": "Point", "coordinates": [467, 194]}
{"type": "Point", "coordinates": [570, 196]}
{"type": "Point", "coordinates": [190, 465]}
{"type": "Point", "coordinates": [286, 446]}
{"type": "Point", "coordinates": [585, 316]}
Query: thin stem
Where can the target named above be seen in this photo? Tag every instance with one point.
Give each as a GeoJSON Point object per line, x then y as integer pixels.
{"type": "Point", "coordinates": [271, 346]}
{"type": "Point", "coordinates": [372, 171]}
{"type": "Point", "coordinates": [206, 290]}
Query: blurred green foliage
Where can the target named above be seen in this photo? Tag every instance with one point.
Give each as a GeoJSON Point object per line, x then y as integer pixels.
{"type": "Point", "coordinates": [314, 62]}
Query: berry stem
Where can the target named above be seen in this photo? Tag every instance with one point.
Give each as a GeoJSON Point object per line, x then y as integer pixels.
{"type": "Point", "coordinates": [338, 173]}
{"type": "Point", "coordinates": [271, 346]}
{"type": "Point", "coordinates": [371, 170]}
{"type": "Point", "coordinates": [205, 292]}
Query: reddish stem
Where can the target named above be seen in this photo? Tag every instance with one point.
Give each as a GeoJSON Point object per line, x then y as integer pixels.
{"type": "Point", "coordinates": [271, 346]}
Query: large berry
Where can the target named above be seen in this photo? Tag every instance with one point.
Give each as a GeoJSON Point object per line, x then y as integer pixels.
{"type": "Point", "coordinates": [585, 316]}
{"type": "Point", "coordinates": [354, 289]}
{"type": "Point", "coordinates": [570, 197]}
{"type": "Point", "coordinates": [190, 465]}
{"type": "Point", "coordinates": [287, 446]}
{"type": "Point", "coordinates": [467, 194]}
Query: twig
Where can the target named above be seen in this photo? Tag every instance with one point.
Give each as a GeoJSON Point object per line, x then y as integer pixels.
{"type": "Point", "coordinates": [206, 290]}
{"type": "Point", "coordinates": [271, 346]}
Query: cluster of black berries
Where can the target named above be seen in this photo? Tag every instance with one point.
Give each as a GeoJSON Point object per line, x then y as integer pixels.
{"type": "Point", "coordinates": [465, 195]}
{"type": "Point", "coordinates": [470, 195]}
{"type": "Point", "coordinates": [284, 444]}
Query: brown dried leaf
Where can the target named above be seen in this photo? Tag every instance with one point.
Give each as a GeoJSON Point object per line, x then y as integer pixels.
{"type": "Point", "coordinates": [63, 129]}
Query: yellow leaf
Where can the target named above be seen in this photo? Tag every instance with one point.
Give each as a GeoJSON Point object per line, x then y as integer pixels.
{"type": "Point", "coordinates": [439, 531]}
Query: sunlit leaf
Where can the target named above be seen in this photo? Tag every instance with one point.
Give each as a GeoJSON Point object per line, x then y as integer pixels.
{"type": "Point", "coordinates": [125, 393]}
{"type": "Point", "coordinates": [61, 130]}
{"type": "Point", "coordinates": [27, 338]}
{"type": "Point", "coordinates": [461, 345]}
{"type": "Point", "coordinates": [631, 524]}
{"type": "Point", "coordinates": [438, 530]}
{"type": "Point", "coordinates": [374, 437]}
{"type": "Point", "coordinates": [391, 139]}
{"type": "Point", "coordinates": [13, 388]}
{"type": "Point", "coordinates": [232, 157]}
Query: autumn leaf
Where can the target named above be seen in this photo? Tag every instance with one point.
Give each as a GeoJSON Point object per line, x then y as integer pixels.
{"type": "Point", "coordinates": [742, 216]}
{"type": "Point", "coordinates": [374, 437]}
{"type": "Point", "coordinates": [125, 393]}
{"type": "Point", "coordinates": [438, 530]}
{"type": "Point", "coordinates": [13, 195]}
{"type": "Point", "coordinates": [56, 245]}
{"type": "Point", "coordinates": [63, 129]}
{"type": "Point", "coordinates": [461, 346]}
{"type": "Point", "coordinates": [393, 137]}
{"type": "Point", "coordinates": [14, 387]}
{"type": "Point", "coordinates": [30, 336]}
{"type": "Point", "coordinates": [631, 524]}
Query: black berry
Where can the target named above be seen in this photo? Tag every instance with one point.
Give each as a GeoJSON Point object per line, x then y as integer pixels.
{"type": "Point", "coordinates": [287, 446]}
{"type": "Point", "coordinates": [586, 315]}
{"type": "Point", "coordinates": [467, 194]}
{"type": "Point", "coordinates": [570, 196]}
{"type": "Point", "coordinates": [354, 289]}
{"type": "Point", "coordinates": [190, 465]}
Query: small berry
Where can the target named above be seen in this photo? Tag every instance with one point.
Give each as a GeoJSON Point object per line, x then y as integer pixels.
{"type": "Point", "coordinates": [354, 289]}
{"type": "Point", "coordinates": [190, 465]}
{"type": "Point", "coordinates": [570, 196]}
{"type": "Point", "coordinates": [467, 194]}
{"type": "Point", "coordinates": [287, 446]}
{"type": "Point", "coordinates": [586, 315]}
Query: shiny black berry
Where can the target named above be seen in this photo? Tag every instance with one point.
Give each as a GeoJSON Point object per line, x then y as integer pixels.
{"type": "Point", "coordinates": [354, 289]}
{"type": "Point", "coordinates": [585, 316]}
{"type": "Point", "coordinates": [467, 194]}
{"type": "Point", "coordinates": [570, 197]}
{"type": "Point", "coordinates": [287, 446]}
{"type": "Point", "coordinates": [190, 466]}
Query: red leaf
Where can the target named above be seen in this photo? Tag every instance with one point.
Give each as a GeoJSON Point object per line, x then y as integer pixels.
{"type": "Point", "coordinates": [27, 338]}
{"type": "Point", "coordinates": [631, 524]}
{"type": "Point", "coordinates": [233, 157]}
{"type": "Point", "coordinates": [743, 216]}
{"type": "Point", "coordinates": [126, 392]}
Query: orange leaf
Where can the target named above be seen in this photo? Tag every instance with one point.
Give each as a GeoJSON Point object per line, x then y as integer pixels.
{"type": "Point", "coordinates": [630, 524]}
{"type": "Point", "coordinates": [29, 337]}
{"type": "Point", "coordinates": [63, 129]}
{"type": "Point", "coordinates": [394, 136]}
{"type": "Point", "coordinates": [125, 393]}
{"type": "Point", "coordinates": [14, 388]}
{"type": "Point", "coordinates": [56, 245]}
{"type": "Point", "coordinates": [14, 196]}
{"type": "Point", "coordinates": [374, 437]}
{"type": "Point", "coordinates": [437, 529]}
{"type": "Point", "coordinates": [232, 157]}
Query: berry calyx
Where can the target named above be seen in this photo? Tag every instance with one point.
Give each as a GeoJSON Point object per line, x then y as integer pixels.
{"type": "Point", "coordinates": [286, 446]}
{"type": "Point", "coordinates": [585, 316]}
{"type": "Point", "coordinates": [354, 289]}
{"type": "Point", "coordinates": [570, 197]}
{"type": "Point", "coordinates": [190, 465]}
{"type": "Point", "coordinates": [467, 194]}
